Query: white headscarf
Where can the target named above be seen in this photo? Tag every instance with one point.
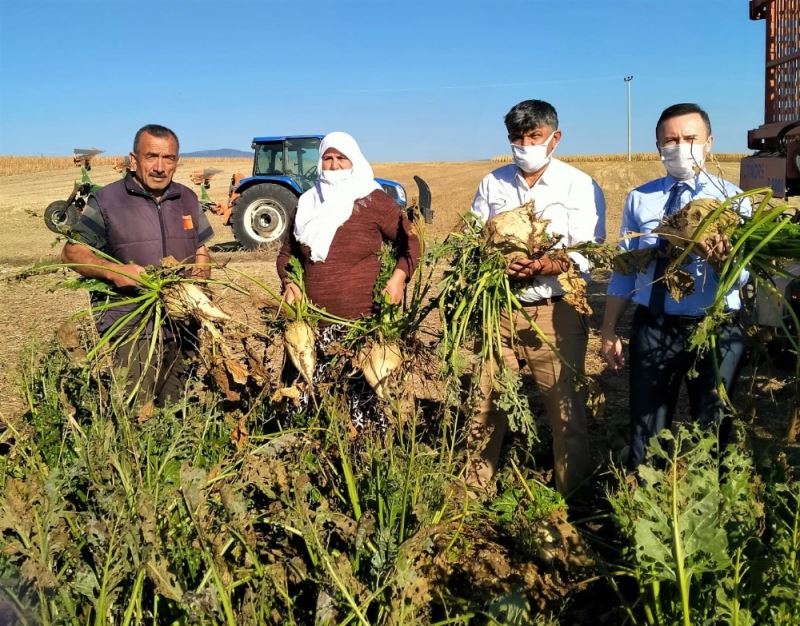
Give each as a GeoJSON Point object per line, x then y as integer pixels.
{"type": "Point", "coordinates": [327, 205]}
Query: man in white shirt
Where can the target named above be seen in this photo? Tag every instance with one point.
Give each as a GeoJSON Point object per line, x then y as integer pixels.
{"type": "Point", "coordinates": [575, 206]}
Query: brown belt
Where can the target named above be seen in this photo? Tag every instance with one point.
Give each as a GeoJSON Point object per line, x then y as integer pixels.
{"type": "Point", "coordinates": [544, 301]}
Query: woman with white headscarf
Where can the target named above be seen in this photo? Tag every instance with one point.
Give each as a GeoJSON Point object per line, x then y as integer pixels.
{"type": "Point", "coordinates": [339, 227]}
{"type": "Point", "coordinates": [338, 230]}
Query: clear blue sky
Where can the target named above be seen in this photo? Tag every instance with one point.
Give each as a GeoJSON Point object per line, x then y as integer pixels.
{"type": "Point", "coordinates": [411, 80]}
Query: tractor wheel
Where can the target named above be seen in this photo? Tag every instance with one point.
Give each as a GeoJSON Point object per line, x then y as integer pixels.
{"type": "Point", "coordinates": [60, 216]}
{"type": "Point", "coordinates": [262, 214]}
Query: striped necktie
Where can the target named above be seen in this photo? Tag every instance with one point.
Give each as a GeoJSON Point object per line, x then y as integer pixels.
{"type": "Point", "coordinates": [658, 293]}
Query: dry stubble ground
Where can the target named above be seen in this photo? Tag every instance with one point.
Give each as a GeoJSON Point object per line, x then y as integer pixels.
{"type": "Point", "coordinates": [31, 313]}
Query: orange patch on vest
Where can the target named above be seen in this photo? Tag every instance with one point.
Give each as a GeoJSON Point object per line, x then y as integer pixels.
{"type": "Point", "coordinates": [187, 222]}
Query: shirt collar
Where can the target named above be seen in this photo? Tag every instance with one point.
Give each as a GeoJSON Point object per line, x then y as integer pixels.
{"type": "Point", "coordinates": [548, 177]}
{"type": "Point", "coordinates": [693, 183]}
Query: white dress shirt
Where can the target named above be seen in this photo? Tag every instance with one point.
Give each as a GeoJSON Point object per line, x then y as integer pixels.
{"type": "Point", "coordinates": [568, 197]}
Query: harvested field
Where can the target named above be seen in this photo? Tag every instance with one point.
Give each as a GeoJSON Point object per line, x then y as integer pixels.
{"type": "Point", "coordinates": [32, 313]}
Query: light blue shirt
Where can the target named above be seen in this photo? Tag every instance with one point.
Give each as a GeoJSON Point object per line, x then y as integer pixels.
{"type": "Point", "coordinates": [644, 210]}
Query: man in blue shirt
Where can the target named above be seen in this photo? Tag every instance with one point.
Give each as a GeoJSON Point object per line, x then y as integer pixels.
{"type": "Point", "coordinates": [660, 357]}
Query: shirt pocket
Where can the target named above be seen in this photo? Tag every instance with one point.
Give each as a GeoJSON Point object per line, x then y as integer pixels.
{"type": "Point", "coordinates": [498, 206]}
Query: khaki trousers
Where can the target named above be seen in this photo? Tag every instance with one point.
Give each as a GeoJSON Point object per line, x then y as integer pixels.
{"type": "Point", "coordinates": [566, 329]}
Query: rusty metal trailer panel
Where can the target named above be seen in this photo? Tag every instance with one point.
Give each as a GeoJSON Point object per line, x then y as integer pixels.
{"type": "Point", "coordinates": [777, 163]}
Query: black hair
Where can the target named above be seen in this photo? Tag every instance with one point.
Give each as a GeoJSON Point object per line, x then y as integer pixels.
{"type": "Point", "coordinates": [156, 130]}
{"type": "Point", "coordinates": [684, 108]}
{"type": "Point", "coordinates": [529, 115]}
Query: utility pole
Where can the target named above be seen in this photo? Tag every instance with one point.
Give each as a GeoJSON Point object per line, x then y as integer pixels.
{"type": "Point", "coordinates": [628, 80]}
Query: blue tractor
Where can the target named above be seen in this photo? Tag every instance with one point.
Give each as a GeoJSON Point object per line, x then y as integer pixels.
{"type": "Point", "coordinates": [262, 205]}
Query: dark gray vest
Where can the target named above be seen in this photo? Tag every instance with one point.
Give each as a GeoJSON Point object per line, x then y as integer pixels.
{"type": "Point", "coordinates": [139, 230]}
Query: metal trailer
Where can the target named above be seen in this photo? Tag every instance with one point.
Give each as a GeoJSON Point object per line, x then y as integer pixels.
{"type": "Point", "coordinates": [777, 161]}
{"type": "Point", "coordinates": [776, 164]}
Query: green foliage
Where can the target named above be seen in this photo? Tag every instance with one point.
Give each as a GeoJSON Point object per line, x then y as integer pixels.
{"type": "Point", "coordinates": [104, 520]}
{"type": "Point", "coordinates": [49, 381]}
{"type": "Point", "coordinates": [514, 403]}
{"type": "Point", "coordinates": [295, 274]}
{"type": "Point", "coordinates": [388, 260]}
{"type": "Point", "coordinates": [476, 295]}
{"type": "Point", "coordinates": [513, 609]}
{"type": "Point", "coordinates": [95, 528]}
{"type": "Point", "coordinates": [695, 529]}
{"type": "Point", "coordinates": [776, 570]}
{"type": "Point", "coordinates": [534, 502]}
{"type": "Point", "coordinates": [188, 519]}
{"type": "Point", "coordinates": [91, 285]}
{"type": "Point", "coordinates": [473, 293]}
{"type": "Point", "coordinates": [388, 323]}
{"type": "Point", "coordinates": [394, 322]}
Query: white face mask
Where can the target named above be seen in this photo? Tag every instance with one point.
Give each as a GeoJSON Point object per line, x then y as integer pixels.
{"type": "Point", "coordinates": [532, 158]}
{"type": "Point", "coordinates": [334, 177]}
{"type": "Point", "coordinates": [681, 159]}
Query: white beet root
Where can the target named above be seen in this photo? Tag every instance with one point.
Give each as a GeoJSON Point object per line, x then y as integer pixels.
{"type": "Point", "coordinates": [516, 233]}
{"type": "Point", "coordinates": [377, 362]}
{"type": "Point", "coordinates": [184, 299]}
{"type": "Point", "coordinates": [299, 340]}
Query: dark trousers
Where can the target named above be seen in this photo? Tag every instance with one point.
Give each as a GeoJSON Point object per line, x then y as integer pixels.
{"type": "Point", "coordinates": [160, 380]}
{"type": "Point", "coordinates": [659, 361]}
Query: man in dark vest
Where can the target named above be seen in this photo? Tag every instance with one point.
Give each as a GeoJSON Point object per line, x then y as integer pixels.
{"type": "Point", "coordinates": [138, 221]}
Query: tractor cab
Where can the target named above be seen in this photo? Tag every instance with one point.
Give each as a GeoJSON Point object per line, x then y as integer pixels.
{"type": "Point", "coordinates": [292, 157]}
